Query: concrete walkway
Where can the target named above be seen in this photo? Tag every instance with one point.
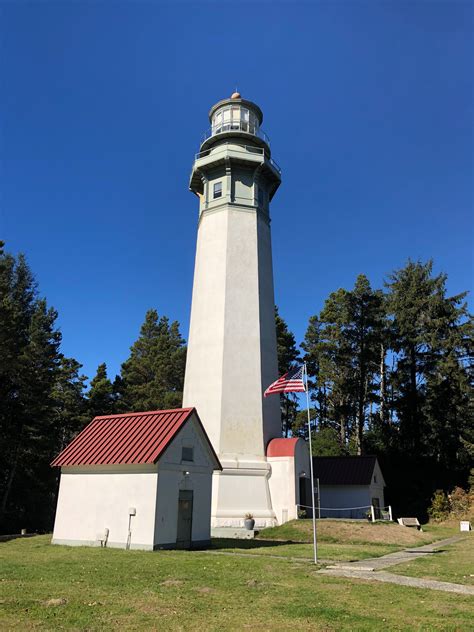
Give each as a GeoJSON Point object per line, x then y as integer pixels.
{"type": "Point", "coordinates": [402, 580]}
{"type": "Point", "coordinates": [371, 569]}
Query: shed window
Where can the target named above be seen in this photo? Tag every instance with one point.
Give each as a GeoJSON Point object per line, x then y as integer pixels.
{"type": "Point", "coordinates": [187, 454]}
{"type": "Point", "coordinates": [217, 190]}
{"type": "Point", "coordinates": [375, 478]}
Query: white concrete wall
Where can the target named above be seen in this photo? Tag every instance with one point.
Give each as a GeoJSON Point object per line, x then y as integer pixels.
{"type": "Point", "coordinates": [282, 488]}
{"type": "Point", "coordinates": [232, 353]}
{"type": "Point", "coordinates": [232, 340]}
{"type": "Point", "coordinates": [172, 478]}
{"type": "Point", "coordinates": [93, 498]}
{"type": "Point", "coordinates": [344, 496]}
{"type": "Point", "coordinates": [377, 485]}
{"type": "Point", "coordinates": [284, 481]}
{"type": "Point", "coordinates": [377, 491]}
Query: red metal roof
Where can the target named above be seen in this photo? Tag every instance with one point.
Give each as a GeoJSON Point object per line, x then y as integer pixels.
{"type": "Point", "coordinates": [282, 447]}
{"type": "Point", "coordinates": [131, 438]}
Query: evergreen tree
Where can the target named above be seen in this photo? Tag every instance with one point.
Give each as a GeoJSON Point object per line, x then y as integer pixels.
{"type": "Point", "coordinates": [70, 405]}
{"type": "Point", "coordinates": [343, 351]}
{"type": "Point", "coordinates": [431, 334]}
{"type": "Point", "coordinates": [153, 375]}
{"type": "Point", "coordinates": [36, 407]}
{"type": "Point", "coordinates": [101, 395]}
{"type": "Point", "coordinates": [287, 354]}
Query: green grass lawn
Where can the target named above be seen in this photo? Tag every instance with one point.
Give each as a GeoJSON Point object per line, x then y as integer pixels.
{"type": "Point", "coordinates": [326, 550]}
{"type": "Point", "coordinates": [110, 589]}
{"type": "Point", "coordinates": [453, 563]}
{"type": "Point", "coordinates": [359, 532]}
{"type": "Point", "coordinates": [338, 540]}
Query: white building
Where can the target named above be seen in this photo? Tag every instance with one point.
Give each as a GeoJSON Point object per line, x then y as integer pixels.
{"type": "Point", "coordinates": [349, 486]}
{"type": "Point", "coordinates": [232, 354]}
{"type": "Point", "coordinates": [139, 481]}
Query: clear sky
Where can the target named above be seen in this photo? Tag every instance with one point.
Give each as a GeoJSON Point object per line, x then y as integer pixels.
{"type": "Point", "coordinates": [369, 106]}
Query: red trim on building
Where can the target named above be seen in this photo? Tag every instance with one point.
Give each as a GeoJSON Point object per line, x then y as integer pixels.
{"type": "Point", "coordinates": [282, 447]}
{"type": "Point", "coordinates": [131, 438]}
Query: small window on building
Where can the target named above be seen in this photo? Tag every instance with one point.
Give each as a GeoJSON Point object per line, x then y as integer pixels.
{"type": "Point", "coordinates": [375, 478]}
{"type": "Point", "coordinates": [217, 190]}
{"type": "Point", "coordinates": [187, 454]}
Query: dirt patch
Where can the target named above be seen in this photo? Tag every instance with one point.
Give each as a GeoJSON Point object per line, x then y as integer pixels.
{"type": "Point", "coordinates": [373, 533]}
{"type": "Point", "coordinates": [55, 602]}
{"type": "Point", "coordinates": [355, 532]}
{"type": "Point", "coordinates": [204, 590]}
{"type": "Point", "coordinates": [172, 582]}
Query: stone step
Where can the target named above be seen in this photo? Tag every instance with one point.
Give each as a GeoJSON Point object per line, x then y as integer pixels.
{"type": "Point", "coordinates": [234, 533]}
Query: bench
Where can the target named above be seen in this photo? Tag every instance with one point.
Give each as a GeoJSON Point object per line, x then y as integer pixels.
{"type": "Point", "coordinates": [410, 522]}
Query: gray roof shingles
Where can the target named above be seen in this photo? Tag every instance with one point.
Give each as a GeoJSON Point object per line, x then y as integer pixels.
{"type": "Point", "coordinates": [344, 470]}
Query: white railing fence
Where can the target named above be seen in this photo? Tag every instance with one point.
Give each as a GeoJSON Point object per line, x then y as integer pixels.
{"type": "Point", "coordinates": [370, 512]}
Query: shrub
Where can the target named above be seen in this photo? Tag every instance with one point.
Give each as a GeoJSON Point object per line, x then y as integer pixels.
{"type": "Point", "coordinates": [440, 506]}
{"type": "Point", "coordinates": [459, 502]}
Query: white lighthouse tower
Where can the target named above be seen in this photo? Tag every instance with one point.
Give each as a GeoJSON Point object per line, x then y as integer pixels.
{"type": "Point", "coordinates": [232, 355]}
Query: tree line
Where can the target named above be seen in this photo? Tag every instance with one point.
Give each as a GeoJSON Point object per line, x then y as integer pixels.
{"type": "Point", "coordinates": [44, 400]}
{"type": "Point", "coordinates": [390, 374]}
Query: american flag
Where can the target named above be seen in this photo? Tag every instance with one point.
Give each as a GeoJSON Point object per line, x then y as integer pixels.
{"type": "Point", "coordinates": [291, 382]}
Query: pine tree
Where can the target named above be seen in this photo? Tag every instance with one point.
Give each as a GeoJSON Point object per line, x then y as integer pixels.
{"type": "Point", "coordinates": [430, 335]}
{"type": "Point", "coordinates": [70, 405]}
{"type": "Point", "coordinates": [101, 395]}
{"type": "Point", "coordinates": [153, 375]}
{"type": "Point", "coordinates": [342, 351]}
{"type": "Point", "coordinates": [37, 409]}
{"type": "Point", "coordinates": [288, 355]}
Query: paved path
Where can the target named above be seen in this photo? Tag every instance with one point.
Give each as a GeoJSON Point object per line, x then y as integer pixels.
{"type": "Point", "coordinates": [371, 569]}
{"type": "Point", "coordinates": [402, 580]}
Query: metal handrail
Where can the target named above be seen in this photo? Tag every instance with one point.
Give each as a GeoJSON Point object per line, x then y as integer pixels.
{"type": "Point", "coordinates": [248, 149]}
{"type": "Point", "coordinates": [236, 126]}
{"type": "Point", "coordinates": [275, 165]}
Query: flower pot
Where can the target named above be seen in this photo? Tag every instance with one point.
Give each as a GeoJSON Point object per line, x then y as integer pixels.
{"type": "Point", "coordinates": [249, 523]}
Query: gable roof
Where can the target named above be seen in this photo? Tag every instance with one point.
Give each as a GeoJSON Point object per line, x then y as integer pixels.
{"type": "Point", "coordinates": [131, 438]}
{"type": "Point", "coordinates": [344, 470]}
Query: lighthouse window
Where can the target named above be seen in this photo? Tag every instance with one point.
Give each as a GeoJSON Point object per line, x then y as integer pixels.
{"type": "Point", "coordinates": [217, 190]}
{"type": "Point", "coordinates": [187, 454]}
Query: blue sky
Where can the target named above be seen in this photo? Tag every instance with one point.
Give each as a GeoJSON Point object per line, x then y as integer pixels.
{"type": "Point", "coordinates": [368, 104]}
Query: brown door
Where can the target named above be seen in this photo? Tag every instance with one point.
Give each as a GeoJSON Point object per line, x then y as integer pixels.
{"type": "Point", "coordinates": [305, 496]}
{"type": "Point", "coordinates": [185, 519]}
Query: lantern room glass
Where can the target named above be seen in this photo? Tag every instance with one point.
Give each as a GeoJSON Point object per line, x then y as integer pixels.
{"type": "Point", "coordinates": [234, 117]}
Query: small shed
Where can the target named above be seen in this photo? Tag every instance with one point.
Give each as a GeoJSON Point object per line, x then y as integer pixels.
{"type": "Point", "coordinates": [138, 481]}
{"type": "Point", "coordinates": [349, 485]}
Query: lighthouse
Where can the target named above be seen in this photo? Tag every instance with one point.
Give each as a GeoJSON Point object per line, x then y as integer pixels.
{"type": "Point", "coordinates": [232, 352]}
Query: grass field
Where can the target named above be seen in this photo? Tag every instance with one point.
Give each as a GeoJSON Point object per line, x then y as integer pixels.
{"type": "Point", "coordinates": [49, 587]}
{"type": "Point", "coordinates": [341, 541]}
{"type": "Point", "coordinates": [454, 563]}
{"type": "Point", "coordinates": [359, 532]}
{"type": "Point", "coordinates": [335, 551]}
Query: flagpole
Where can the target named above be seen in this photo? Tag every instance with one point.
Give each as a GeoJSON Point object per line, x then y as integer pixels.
{"type": "Point", "coordinates": [315, 543]}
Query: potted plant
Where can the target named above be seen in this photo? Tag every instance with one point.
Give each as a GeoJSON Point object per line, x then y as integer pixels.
{"type": "Point", "coordinates": [249, 521]}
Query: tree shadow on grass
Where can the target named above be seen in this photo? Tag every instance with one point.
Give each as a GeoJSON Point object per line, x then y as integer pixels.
{"type": "Point", "coordinates": [245, 545]}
